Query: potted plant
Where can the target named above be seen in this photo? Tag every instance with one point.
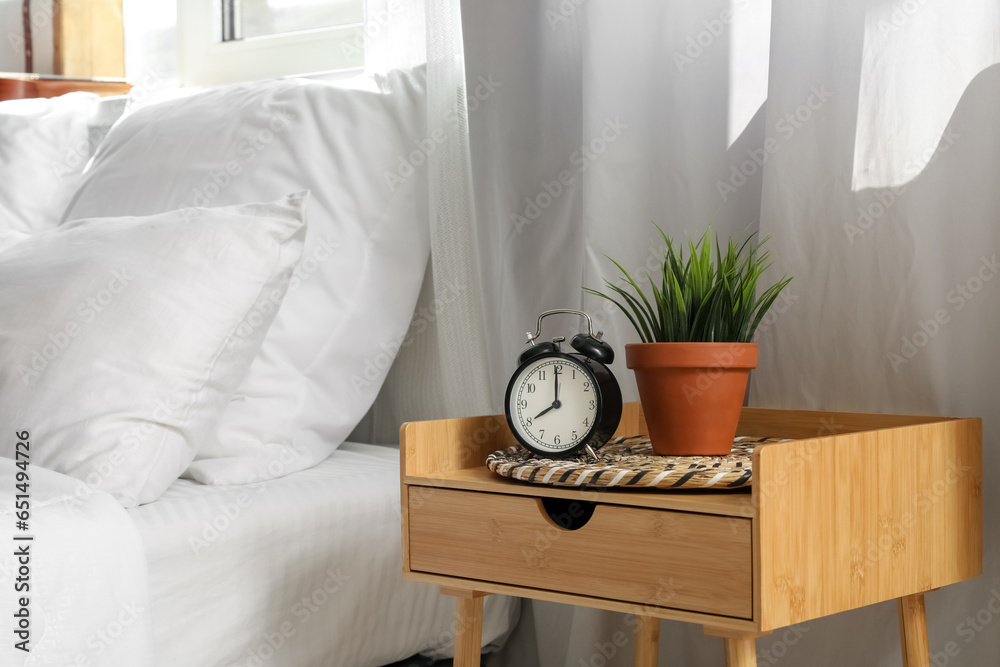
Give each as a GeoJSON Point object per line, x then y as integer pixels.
{"type": "Point", "coordinates": [696, 323]}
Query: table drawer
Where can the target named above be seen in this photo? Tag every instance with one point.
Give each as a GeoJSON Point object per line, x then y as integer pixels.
{"type": "Point", "coordinates": [695, 562]}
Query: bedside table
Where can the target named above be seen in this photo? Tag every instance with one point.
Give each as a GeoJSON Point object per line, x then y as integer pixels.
{"type": "Point", "coordinates": [856, 509]}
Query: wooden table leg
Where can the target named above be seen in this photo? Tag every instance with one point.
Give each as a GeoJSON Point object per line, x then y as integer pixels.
{"type": "Point", "coordinates": [913, 631]}
{"type": "Point", "coordinates": [741, 650]}
{"type": "Point", "coordinates": [468, 626]}
{"type": "Point", "coordinates": [647, 641]}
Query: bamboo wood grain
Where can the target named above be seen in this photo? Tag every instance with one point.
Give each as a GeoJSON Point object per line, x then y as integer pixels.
{"type": "Point", "coordinates": [590, 601]}
{"type": "Point", "coordinates": [444, 445]}
{"type": "Point", "coordinates": [913, 631]}
{"type": "Point", "coordinates": [88, 38]}
{"type": "Point", "coordinates": [468, 631]}
{"type": "Point", "coordinates": [462, 592]}
{"type": "Point", "coordinates": [849, 520]}
{"type": "Point", "coordinates": [727, 503]}
{"type": "Point", "coordinates": [647, 641]}
{"type": "Point", "coordinates": [857, 509]}
{"type": "Point", "coordinates": [689, 561]}
{"type": "Point", "coordinates": [740, 652]}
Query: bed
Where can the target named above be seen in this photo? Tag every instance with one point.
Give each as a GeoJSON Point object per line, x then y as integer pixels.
{"type": "Point", "coordinates": [194, 325]}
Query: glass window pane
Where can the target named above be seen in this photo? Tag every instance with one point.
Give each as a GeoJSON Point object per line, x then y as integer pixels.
{"type": "Point", "coordinates": [258, 18]}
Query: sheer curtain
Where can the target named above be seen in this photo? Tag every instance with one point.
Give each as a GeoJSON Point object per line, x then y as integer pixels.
{"type": "Point", "coordinates": [861, 136]}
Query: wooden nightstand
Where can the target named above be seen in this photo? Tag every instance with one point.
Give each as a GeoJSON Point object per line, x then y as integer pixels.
{"type": "Point", "coordinates": [858, 509]}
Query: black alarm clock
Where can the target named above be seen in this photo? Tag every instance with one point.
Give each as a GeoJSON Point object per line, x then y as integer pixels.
{"type": "Point", "coordinates": [559, 403]}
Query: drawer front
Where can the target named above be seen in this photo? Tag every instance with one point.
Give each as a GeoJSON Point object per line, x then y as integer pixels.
{"type": "Point", "coordinates": [680, 560]}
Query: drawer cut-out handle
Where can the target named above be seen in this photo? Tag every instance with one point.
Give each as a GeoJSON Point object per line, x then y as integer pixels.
{"type": "Point", "coordinates": [569, 514]}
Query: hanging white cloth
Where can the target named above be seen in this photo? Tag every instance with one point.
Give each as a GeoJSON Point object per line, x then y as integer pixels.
{"type": "Point", "coordinates": [861, 135]}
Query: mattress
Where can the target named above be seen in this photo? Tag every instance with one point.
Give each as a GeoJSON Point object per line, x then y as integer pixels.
{"type": "Point", "coordinates": [301, 571]}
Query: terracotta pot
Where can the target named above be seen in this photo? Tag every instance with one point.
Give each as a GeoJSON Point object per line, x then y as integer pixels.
{"type": "Point", "coordinates": [691, 393]}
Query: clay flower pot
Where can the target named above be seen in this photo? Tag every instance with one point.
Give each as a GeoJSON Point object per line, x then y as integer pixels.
{"type": "Point", "coordinates": [691, 393]}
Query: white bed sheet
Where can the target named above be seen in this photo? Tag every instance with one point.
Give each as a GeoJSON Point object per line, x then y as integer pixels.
{"type": "Point", "coordinates": [83, 575]}
{"type": "Point", "coordinates": [301, 571]}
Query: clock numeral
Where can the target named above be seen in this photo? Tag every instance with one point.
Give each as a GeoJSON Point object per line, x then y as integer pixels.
{"type": "Point", "coordinates": [528, 422]}
{"type": "Point", "coordinates": [541, 433]}
{"type": "Point", "coordinates": [558, 369]}
{"type": "Point", "coordinates": [593, 404]}
{"type": "Point", "coordinates": [574, 436]}
{"type": "Point", "coordinates": [531, 388]}
{"type": "Point", "coordinates": [574, 374]}
{"type": "Point", "coordinates": [556, 440]}
{"type": "Point", "coordinates": [586, 421]}
{"type": "Point", "coordinates": [523, 403]}
{"type": "Point", "coordinates": [586, 386]}
{"type": "Point", "coordinates": [541, 375]}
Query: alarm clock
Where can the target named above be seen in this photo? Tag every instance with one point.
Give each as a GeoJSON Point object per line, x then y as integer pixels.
{"type": "Point", "coordinates": [560, 403]}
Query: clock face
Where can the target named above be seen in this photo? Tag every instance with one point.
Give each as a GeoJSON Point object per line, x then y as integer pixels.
{"type": "Point", "coordinates": [553, 403]}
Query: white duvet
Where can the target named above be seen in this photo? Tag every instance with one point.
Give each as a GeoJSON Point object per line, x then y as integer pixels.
{"type": "Point", "coordinates": [302, 571]}
{"type": "Point", "coordinates": [83, 576]}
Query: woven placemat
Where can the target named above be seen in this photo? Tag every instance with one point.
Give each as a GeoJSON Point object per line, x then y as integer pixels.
{"type": "Point", "coordinates": [630, 463]}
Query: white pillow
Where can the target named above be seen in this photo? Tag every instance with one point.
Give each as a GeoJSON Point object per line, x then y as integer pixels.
{"type": "Point", "coordinates": [44, 145]}
{"type": "Point", "coordinates": [124, 338]}
{"type": "Point", "coordinates": [351, 299]}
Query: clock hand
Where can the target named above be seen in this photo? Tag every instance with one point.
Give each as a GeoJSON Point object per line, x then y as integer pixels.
{"type": "Point", "coordinates": [545, 410]}
{"type": "Point", "coordinates": [555, 403]}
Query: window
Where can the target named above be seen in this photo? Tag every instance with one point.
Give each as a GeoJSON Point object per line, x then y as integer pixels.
{"type": "Point", "coordinates": [260, 18]}
{"type": "Point", "coordinates": [239, 40]}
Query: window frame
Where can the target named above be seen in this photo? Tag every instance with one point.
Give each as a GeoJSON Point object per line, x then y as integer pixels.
{"type": "Point", "coordinates": [204, 59]}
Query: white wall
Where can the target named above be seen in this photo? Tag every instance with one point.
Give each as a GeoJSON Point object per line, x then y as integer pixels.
{"type": "Point", "coordinates": [12, 48]}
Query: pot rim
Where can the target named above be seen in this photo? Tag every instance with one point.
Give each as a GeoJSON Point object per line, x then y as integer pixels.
{"type": "Point", "coordinates": [691, 355]}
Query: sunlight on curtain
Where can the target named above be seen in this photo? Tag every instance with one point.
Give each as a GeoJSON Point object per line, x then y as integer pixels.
{"type": "Point", "coordinates": [395, 34]}
{"type": "Point", "coordinates": [445, 353]}
{"type": "Point", "coordinates": [150, 43]}
{"type": "Point", "coordinates": [896, 303]}
{"type": "Point", "coordinates": [749, 56]}
{"type": "Point", "coordinates": [919, 57]}
{"type": "Point", "coordinates": [608, 115]}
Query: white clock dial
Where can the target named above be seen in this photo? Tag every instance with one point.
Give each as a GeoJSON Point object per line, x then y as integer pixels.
{"type": "Point", "coordinates": [554, 402]}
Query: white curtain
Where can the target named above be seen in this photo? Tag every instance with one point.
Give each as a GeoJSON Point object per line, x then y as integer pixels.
{"type": "Point", "coordinates": [861, 136]}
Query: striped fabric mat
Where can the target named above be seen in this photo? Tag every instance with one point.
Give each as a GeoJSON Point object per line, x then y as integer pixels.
{"type": "Point", "coordinates": [630, 463]}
